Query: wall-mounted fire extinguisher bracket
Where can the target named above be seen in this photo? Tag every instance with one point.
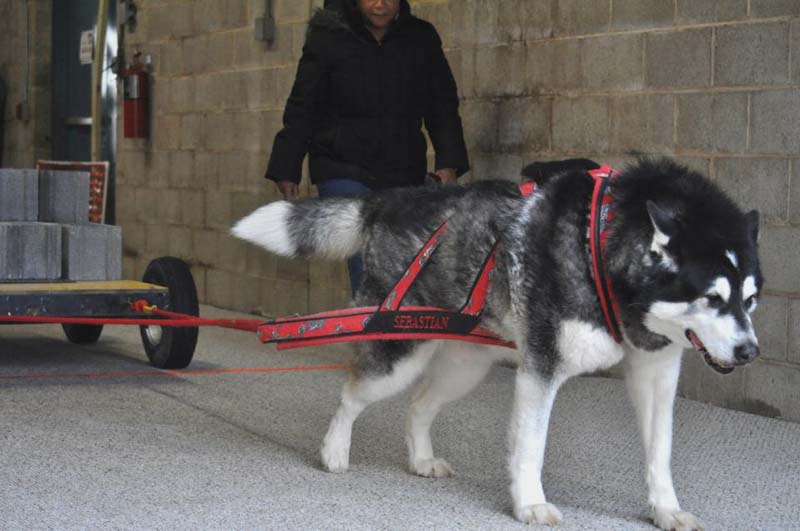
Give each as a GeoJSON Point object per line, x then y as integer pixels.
{"type": "Point", "coordinates": [136, 99]}
{"type": "Point", "coordinates": [265, 26]}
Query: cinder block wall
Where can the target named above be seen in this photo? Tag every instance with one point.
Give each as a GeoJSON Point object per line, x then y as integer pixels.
{"type": "Point", "coordinates": [25, 69]}
{"type": "Point", "coordinates": [713, 83]}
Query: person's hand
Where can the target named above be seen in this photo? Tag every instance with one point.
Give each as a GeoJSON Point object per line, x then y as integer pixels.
{"type": "Point", "coordinates": [288, 189]}
{"type": "Point", "coordinates": [447, 175]}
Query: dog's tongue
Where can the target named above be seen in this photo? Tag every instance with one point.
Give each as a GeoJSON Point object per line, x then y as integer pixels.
{"type": "Point", "coordinates": [696, 343]}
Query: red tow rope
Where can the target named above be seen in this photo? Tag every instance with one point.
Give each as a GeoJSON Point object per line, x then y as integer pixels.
{"type": "Point", "coordinates": [172, 319]}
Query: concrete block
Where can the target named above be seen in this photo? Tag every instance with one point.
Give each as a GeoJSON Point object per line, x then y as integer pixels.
{"type": "Point", "coordinates": [771, 322]}
{"type": "Point", "coordinates": [580, 124]}
{"type": "Point", "coordinates": [794, 200]}
{"type": "Point", "coordinates": [233, 91]}
{"type": "Point", "coordinates": [757, 183]}
{"type": "Point", "coordinates": [693, 12]}
{"type": "Point", "coordinates": [795, 52]}
{"type": "Point", "coordinates": [775, 121]}
{"type": "Point", "coordinates": [30, 251]}
{"type": "Point", "coordinates": [774, 8]}
{"type": "Point", "coordinates": [19, 195]}
{"type": "Point", "coordinates": [219, 289]}
{"type": "Point", "coordinates": [506, 63]}
{"type": "Point", "coordinates": [260, 264]}
{"type": "Point", "coordinates": [64, 196]}
{"type": "Point", "coordinates": [499, 166]}
{"type": "Point", "coordinates": [180, 242]}
{"type": "Point", "coordinates": [296, 10]}
{"type": "Point", "coordinates": [219, 51]}
{"type": "Point", "coordinates": [524, 124]}
{"type": "Point", "coordinates": [536, 18]}
{"type": "Point", "coordinates": [233, 257]}
{"type": "Point", "coordinates": [776, 388]}
{"type": "Point", "coordinates": [171, 61]}
{"type": "Point", "coordinates": [691, 370]}
{"type": "Point", "coordinates": [215, 15]}
{"type": "Point", "coordinates": [721, 390]}
{"type": "Point", "coordinates": [578, 17]}
{"type": "Point", "coordinates": [193, 208]}
{"type": "Point", "coordinates": [480, 119]}
{"type": "Point", "coordinates": [793, 346]}
{"type": "Point", "coordinates": [780, 254]}
{"type": "Point", "coordinates": [282, 297]}
{"type": "Point", "coordinates": [643, 123]}
{"type": "Point", "coordinates": [206, 248]}
{"type": "Point", "coordinates": [180, 20]}
{"type": "Point", "coordinates": [554, 65]}
{"type": "Point", "coordinates": [92, 252]}
{"type": "Point", "coordinates": [487, 26]}
{"type": "Point", "coordinates": [259, 88]}
{"type": "Point", "coordinates": [156, 241]}
{"type": "Point", "coordinates": [678, 59]}
{"type": "Point", "coordinates": [712, 122]}
{"type": "Point", "coordinates": [182, 170]}
{"type": "Point", "coordinates": [752, 54]}
{"type": "Point", "coordinates": [639, 14]}
{"type": "Point", "coordinates": [613, 62]}
{"type": "Point", "coordinates": [167, 132]}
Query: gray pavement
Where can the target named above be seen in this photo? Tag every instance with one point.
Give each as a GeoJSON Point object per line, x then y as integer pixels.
{"type": "Point", "coordinates": [239, 450]}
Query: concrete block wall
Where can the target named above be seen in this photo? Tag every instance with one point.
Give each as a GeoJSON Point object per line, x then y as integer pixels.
{"type": "Point", "coordinates": [26, 72]}
{"type": "Point", "coordinates": [715, 84]}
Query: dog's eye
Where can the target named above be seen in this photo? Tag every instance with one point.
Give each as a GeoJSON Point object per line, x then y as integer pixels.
{"type": "Point", "coordinates": [715, 300]}
{"type": "Point", "coordinates": [750, 303]}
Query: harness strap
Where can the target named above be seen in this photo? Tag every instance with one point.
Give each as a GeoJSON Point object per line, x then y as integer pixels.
{"type": "Point", "coordinates": [600, 215]}
{"type": "Point", "coordinates": [398, 292]}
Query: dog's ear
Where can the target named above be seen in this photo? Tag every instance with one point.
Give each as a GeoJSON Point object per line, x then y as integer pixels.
{"type": "Point", "coordinates": [665, 224]}
{"type": "Point", "coordinates": [665, 228]}
{"type": "Point", "coordinates": [752, 219]}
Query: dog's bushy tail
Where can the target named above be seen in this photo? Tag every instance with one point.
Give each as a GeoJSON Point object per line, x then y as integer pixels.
{"type": "Point", "coordinates": [324, 228]}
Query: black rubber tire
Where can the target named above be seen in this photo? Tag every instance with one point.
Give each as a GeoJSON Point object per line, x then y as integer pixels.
{"type": "Point", "coordinates": [82, 334]}
{"type": "Point", "coordinates": [174, 347]}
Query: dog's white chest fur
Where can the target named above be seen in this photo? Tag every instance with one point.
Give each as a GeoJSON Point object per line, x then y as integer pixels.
{"type": "Point", "coordinates": [585, 348]}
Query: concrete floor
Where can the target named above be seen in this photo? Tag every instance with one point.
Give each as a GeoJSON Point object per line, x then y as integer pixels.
{"type": "Point", "coordinates": [239, 450]}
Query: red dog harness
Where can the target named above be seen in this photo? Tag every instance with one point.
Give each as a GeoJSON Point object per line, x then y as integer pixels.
{"type": "Point", "coordinates": [392, 321]}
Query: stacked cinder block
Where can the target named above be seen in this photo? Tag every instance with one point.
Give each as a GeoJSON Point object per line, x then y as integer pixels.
{"type": "Point", "coordinates": [45, 232]}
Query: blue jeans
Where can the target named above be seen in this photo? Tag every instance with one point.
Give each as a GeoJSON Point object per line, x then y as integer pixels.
{"type": "Point", "coordinates": [347, 188]}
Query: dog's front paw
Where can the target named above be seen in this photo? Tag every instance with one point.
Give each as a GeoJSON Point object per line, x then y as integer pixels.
{"type": "Point", "coordinates": [432, 468]}
{"type": "Point", "coordinates": [542, 513]}
{"type": "Point", "coordinates": [675, 520]}
{"type": "Point", "coordinates": [335, 458]}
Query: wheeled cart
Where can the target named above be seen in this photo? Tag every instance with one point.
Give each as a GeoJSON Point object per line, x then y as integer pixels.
{"type": "Point", "coordinates": [83, 308]}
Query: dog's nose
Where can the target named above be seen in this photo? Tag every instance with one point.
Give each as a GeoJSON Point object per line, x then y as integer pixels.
{"type": "Point", "coordinates": [745, 353]}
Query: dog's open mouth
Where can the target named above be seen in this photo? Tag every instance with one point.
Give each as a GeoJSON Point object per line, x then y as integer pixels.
{"type": "Point", "coordinates": [701, 348]}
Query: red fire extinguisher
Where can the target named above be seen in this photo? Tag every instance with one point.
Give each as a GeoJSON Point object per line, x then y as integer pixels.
{"type": "Point", "coordinates": [136, 96]}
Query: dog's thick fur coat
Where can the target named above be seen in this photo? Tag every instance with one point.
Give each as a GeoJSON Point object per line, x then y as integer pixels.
{"type": "Point", "coordinates": [681, 257]}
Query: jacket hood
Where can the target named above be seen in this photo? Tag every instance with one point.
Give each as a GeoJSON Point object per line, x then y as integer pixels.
{"type": "Point", "coordinates": [344, 14]}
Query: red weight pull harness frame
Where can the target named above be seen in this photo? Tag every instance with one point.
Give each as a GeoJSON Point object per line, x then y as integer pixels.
{"type": "Point", "coordinates": [392, 321]}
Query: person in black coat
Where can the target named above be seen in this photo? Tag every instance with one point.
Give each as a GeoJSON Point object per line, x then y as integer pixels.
{"type": "Point", "coordinates": [371, 74]}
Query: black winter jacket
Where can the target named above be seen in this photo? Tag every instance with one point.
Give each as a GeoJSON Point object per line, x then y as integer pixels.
{"type": "Point", "coordinates": [357, 106]}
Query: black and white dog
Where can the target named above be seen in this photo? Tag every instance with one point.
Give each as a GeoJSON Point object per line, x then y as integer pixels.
{"type": "Point", "coordinates": [681, 257]}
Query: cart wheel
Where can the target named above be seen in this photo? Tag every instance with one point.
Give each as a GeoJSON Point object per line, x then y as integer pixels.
{"type": "Point", "coordinates": [82, 334]}
{"type": "Point", "coordinates": [172, 347]}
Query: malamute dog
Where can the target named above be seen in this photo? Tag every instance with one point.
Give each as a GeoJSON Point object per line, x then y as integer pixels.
{"type": "Point", "coordinates": [681, 257]}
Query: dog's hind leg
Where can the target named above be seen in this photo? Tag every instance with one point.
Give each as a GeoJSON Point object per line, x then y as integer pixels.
{"type": "Point", "coordinates": [368, 387]}
{"type": "Point", "coordinates": [652, 380]}
{"type": "Point", "coordinates": [455, 371]}
{"type": "Point", "coordinates": [533, 400]}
